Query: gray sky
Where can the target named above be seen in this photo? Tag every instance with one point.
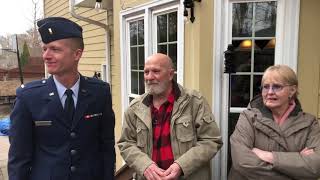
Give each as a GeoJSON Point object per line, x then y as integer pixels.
{"type": "Point", "coordinates": [16, 15]}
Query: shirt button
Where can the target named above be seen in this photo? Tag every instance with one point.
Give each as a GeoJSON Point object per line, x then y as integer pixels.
{"type": "Point", "coordinates": [73, 134]}
{"type": "Point", "coordinates": [73, 168]}
{"type": "Point", "coordinates": [73, 152]}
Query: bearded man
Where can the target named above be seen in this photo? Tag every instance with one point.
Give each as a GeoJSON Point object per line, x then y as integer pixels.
{"type": "Point", "coordinates": [169, 132]}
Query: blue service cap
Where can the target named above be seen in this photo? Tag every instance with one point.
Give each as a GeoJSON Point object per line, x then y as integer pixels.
{"type": "Point", "coordinates": [55, 28]}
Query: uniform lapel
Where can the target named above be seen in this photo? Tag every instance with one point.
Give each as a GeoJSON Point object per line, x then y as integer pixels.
{"type": "Point", "coordinates": [83, 101]}
{"type": "Point", "coordinates": [54, 104]}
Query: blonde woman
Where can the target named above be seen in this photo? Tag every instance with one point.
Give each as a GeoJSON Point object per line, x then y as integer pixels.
{"type": "Point", "coordinates": [274, 138]}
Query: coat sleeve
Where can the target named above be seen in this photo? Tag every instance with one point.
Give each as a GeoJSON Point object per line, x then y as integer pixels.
{"type": "Point", "coordinates": [301, 166]}
{"type": "Point", "coordinates": [244, 161]}
{"type": "Point", "coordinates": [21, 142]}
{"type": "Point", "coordinates": [130, 152]}
{"type": "Point", "coordinates": [208, 140]}
{"type": "Point", "coordinates": [107, 138]}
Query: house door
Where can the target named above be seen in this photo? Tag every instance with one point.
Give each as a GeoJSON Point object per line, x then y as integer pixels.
{"type": "Point", "coordinates": [262, 35]}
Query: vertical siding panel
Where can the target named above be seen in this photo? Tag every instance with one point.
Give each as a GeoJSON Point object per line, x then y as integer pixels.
{"type": "Point", "coordinates": [309, 56]}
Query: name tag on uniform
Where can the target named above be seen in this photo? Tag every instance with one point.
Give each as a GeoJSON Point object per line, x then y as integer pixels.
{"type": "Point", "coordinates": [43, 123]}
{"type": "Point", "coordinates": [89, 116]}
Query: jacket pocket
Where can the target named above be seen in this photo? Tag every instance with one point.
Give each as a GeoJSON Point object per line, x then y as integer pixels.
{"type": "Point", "coordinates": [142, 134]}
{"type": "Point", "coordinates": [208, 119]}
{"type": "Point", "coordinates": [184, 130]}
{"type": "Point", "coordinates": [185, 134]}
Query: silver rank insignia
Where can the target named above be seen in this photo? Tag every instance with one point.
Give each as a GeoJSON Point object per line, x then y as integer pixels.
{"type": "Point", "coordinates": [50, 31]}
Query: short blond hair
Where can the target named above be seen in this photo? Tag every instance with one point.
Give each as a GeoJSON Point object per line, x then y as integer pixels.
{"type": "Point", "coordinates": [285, 75]}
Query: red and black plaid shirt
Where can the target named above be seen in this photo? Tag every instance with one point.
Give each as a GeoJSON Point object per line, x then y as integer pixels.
{"type": "Point", "coordinates": [162, 150]}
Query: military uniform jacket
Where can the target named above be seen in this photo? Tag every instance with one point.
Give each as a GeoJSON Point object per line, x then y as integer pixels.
{"type": "Point", "coordinates": [45, 146]}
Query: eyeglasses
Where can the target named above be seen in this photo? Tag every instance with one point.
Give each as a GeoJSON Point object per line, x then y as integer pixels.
{"type": "Point", "coordinates": [274, 87]}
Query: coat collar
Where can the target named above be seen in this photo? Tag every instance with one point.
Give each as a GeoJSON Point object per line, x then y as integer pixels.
{"type": "Point", "coordinates": [263, 120]}
{"type": "Point", "coordinates": [147, 100]}
{"type": "Point", "coordinates": [141, 105]}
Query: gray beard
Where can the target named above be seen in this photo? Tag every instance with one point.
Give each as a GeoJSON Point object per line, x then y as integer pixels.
{"type": "Point", "coordinates": [156, 90]}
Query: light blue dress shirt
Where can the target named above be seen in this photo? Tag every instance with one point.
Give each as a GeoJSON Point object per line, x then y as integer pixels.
{"type": "Point", "coordinates": [61, 91]}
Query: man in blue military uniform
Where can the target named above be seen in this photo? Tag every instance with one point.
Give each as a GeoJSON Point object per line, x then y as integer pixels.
{"type": "Point", "coordinates": [62, 128]}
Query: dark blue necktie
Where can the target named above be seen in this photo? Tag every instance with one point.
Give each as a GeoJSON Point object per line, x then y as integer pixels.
{"type": "Point", "coordinates": [69, 106]}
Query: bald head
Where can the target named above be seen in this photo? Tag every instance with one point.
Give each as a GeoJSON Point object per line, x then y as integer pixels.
{"type": "Point", "coordinates": [158, 75]}
{"type": "Point", "coordinates": [161, 59]}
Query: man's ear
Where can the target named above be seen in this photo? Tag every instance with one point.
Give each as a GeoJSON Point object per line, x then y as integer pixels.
{"type": "Point", "coordinates": [78, 54]}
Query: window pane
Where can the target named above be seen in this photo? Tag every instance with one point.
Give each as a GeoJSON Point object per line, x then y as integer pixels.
{"type": "Point", "coordinates": [162, 25]}
{"type": "Point", "coordinates": [256, 84]}
{"type": "Point", "coordinates": [173, 26]}
{"type": "Point", "coordinates": [242, 56]}
{"type": "Point", "coordinates": [134, 82]}
{"type": "Point", "coordinates": [265, 23]}
{"type": "Point", "coordinates": [141, 83]}
{"type": "Point", "coordinates": [134, 58]}
{"type": "Point", "coordinates": [141, 58]}
{"type": "Point", "coordinates": [264, 55]}
{"type": "Point", "coordinates": [162, 49]}
{"type": "Point", "coordinates": [242, 19]}
{"type": "Point", "coordinates": [133, 33]}
{"type": "Point", "coordinates": [140, 32]}
{"type": "Point", "coordinates": [240, 90]}
{"type": "Point", "coordinates": [173, 54]}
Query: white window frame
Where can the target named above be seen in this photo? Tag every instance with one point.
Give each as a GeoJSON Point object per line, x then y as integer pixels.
{"type": "Point", "coordinates": [148, 12]}
{"type": "Point", "coordinates": [128, 54]}
{"type": "Point", "coordinates": [286, 52]}
{"type": "Point", "coordinates": [104, 72]}
{"type": "Point", "coordinates": [162, 11]}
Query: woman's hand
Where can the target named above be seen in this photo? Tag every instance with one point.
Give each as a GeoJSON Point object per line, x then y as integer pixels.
{"type": "Point", "coordinates": [263, 155]}
{"type": "Point", "coordinates": [306, 151]}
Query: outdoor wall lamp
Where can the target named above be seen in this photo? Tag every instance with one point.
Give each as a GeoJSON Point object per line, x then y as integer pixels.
{"type": "Point", "coordinates": [189, 4]}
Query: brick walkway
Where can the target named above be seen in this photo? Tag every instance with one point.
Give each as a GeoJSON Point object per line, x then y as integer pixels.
{"type": "Point", "coordinates": [4, 147]}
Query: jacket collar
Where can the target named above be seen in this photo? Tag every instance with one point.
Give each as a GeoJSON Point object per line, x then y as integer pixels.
{"type": "Point", "coordinates": [263, 120]}
{"type": "Point", "coordinates": [147, 100]}
{"type": "Point", "coordinates": [55, 104]}
{"type": "Point", "coordinates": [257, 102]}
{"type": "Point", "coordinates": [141, 105]}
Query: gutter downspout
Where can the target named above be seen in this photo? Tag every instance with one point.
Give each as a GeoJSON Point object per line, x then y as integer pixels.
{"type": "Point", "coordinates": [107, 30]}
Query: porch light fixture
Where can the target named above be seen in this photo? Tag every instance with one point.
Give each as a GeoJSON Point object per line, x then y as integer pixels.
{"type": "Point", "coordinates": [98, 5]}
{"type": "Point", "coordinates": [189, 4]}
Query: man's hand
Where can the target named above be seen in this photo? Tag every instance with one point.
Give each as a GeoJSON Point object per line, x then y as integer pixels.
{"type": "Point", "coordinates": [263, 155]}
{"type": "Point", "coordinates": [153, 172]}
{"type": "Point", "coordinates": [306, 151]}
{"type": "Point", "coordinates": [173, 172]}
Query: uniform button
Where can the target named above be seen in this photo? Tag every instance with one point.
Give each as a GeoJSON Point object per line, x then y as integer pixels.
{"type": "Point", "coordinates": [73, 152]}
{"type": "Point", "coordinates": [73, 134]}
{"type": "Point", "coordinates": [73, 168]}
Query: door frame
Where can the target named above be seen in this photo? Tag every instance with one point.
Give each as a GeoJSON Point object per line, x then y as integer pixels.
{"type": "Point", "coordinates": [287, 32]}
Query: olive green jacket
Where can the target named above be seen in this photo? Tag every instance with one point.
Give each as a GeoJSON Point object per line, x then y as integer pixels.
{"type": "Point", "coordinates": [195, 137]}
{"type": "Point", "coordinates": [256, 128]}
